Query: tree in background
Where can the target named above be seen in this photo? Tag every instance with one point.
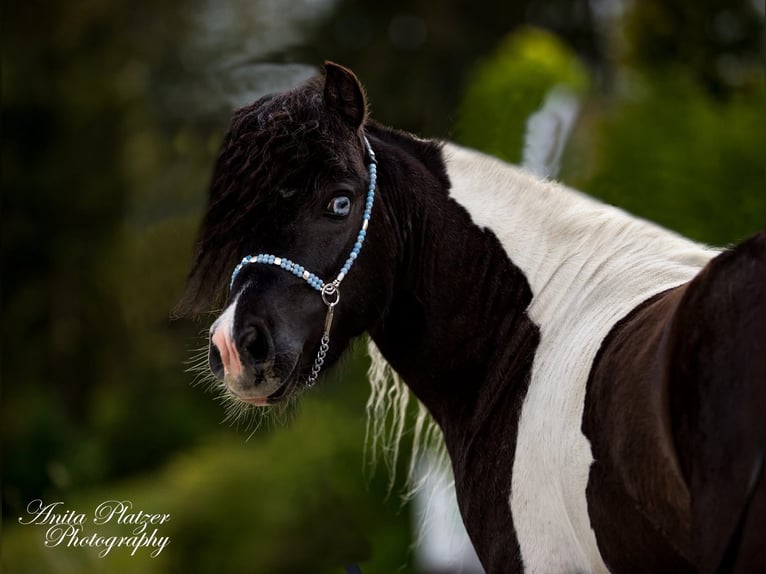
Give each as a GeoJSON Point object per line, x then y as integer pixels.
{"type": "Point", "coordinates": [98, 209]}
{"type": "Point", "coordinates": [681, 140]}
{"type": "Point", "coordinates": [717, 42]}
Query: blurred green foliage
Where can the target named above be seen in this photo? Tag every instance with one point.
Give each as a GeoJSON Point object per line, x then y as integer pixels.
{"type": "Point", "coordinates": [671, 153]}
{"type": "Point", "coordinates": [288, 502]}
{"type": "Point", "coordinates": [511, 85]}
{"type": "Point", "coordinates": [99, 208]}
{"type": "Point", "coordinates": [716, 44]}
{"type": "Point", "coordinates": [662, 146]}
{"type": "Point", "coordinates": [417, 81]}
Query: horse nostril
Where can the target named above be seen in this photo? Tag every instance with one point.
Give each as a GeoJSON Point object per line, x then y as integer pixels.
{"type": "Point", "coordinates": [215, 361]}
{"type": "Point", "coordinates": [255, 345]}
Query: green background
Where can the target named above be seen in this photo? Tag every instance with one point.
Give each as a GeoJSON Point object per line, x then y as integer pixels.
{"type": "Point", "coordinates": [112, 114]}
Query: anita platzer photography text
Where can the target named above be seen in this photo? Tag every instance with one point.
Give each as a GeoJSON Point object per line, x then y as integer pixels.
{"type": "Point", "coordinates": [67, 527]}
{"type": "Point", "coordinates": [150, 425]}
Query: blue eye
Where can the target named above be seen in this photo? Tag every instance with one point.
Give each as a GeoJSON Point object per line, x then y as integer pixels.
{"type": "Point", "coordinates": [340, 206]}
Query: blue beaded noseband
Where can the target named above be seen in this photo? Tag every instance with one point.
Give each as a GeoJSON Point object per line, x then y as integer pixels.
{"type": "Point", "coordinates": [330, 292]}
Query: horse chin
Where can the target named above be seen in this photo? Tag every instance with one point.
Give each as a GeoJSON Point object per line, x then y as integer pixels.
{"type": "Point", "coordinates": [283, 387]}
{"type": "Point", "coordinates": [283, 393]}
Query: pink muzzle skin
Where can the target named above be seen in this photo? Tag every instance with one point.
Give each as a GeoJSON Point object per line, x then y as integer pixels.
{"type": "Point", "coordinates": [229, 354]}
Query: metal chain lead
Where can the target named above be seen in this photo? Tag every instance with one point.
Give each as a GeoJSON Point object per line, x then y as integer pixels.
{"type": "Point", "coordinates": [330, 296]}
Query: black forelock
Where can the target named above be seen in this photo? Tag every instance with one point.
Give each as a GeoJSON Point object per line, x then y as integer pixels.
{"type": "Point", "coordinates": [278, 139]}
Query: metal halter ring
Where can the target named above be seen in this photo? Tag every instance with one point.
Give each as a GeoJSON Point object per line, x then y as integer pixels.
{"type": "Point", "coordinates": [330, 294]}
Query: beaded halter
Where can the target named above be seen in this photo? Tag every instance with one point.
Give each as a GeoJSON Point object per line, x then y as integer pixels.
{"type": "Point", "coordinates": [330, 291]}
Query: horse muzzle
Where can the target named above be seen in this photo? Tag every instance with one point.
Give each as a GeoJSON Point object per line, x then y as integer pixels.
{"type": "Point", "coordinates": [244, 359]}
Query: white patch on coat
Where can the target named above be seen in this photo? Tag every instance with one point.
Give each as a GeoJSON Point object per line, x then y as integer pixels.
{"type": "Point", "coordinates": [588, 264]}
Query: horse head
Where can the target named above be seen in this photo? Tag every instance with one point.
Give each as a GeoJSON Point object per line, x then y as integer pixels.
{"type": "Point", "coordinates": [289, 209]}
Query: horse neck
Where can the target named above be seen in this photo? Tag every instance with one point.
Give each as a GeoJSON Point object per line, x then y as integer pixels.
{"type": "Point", "coordinates": [456, 295]}
{"type": "Point", "coordinates": [493, 260]}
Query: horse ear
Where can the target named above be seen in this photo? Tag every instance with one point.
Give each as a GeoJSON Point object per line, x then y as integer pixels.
{"type": "Point", "coordinates": [344, 94]}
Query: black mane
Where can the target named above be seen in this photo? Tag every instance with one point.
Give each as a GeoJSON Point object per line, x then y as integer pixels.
{"type": "Point", "coordinates": [427, 152]}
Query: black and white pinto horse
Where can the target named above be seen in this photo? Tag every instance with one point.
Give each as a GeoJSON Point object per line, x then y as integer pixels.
{"type": "Point", "coordinates": [600, 382]}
